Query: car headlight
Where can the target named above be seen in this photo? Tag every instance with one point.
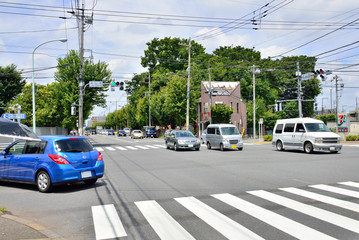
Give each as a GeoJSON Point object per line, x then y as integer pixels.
{"type": "Point", "coordinates": [198, 141]}
{"type": "Point", "coordinates": [181, 141]}
{"type": "Point", "coordinates": [225, 141]}
{"type": "Point", "coordinates": [319, 140]}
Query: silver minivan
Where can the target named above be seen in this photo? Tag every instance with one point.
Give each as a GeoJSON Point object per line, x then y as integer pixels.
{"type": "Point", "coordinates": [223, 136]}
{"type": "Point", "coordinates": [306, 134]}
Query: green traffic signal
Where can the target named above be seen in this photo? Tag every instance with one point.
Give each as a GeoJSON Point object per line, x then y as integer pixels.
{"type": "Point", "coordinates": [113, 83]}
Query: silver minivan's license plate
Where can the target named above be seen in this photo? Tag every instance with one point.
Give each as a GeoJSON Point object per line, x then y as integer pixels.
{"type": "Point", "coordinates": [332, 148]}
{"type": "Point", "coordinates": [86, 174]}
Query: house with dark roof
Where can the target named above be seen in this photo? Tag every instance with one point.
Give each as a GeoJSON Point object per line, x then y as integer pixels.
{"type": "Point", "coordinates": [227, 93]}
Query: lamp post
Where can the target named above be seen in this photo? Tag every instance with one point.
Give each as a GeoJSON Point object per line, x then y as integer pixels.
{"type": "Point", "coordinates": [33, 82]}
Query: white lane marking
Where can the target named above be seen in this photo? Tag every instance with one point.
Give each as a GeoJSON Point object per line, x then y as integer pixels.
{"type": "Point", "coordinates": [333, 218]}
{"type": "Point", "coordinates": [226, 226]}
{"type": "Point", "coordinates": [351, 184]}
{"type": "Point", "coordinates": [325, 199]}
{"type": "Point", "coordinates": [142, 147]}
{"type": "Point", "coordinates": [287, 225]}
{"type": "Point", "coordinates": [132, 148]}
{"type": "Point", "coordinates": [336, 190]}
{"type": "Point", "coordinates": [150, 146]}
{"type": "Point", "coordinates": [99, 149]}
{"type": "Point", "coordinates": [122, 148]}
{"type": "Point", "coordinates": [110, 148]}
{"type": "Point", "coordinates": [162, 223]}
{"type": "Point", "coordinates": [107, 223]}
{"type": "Point", "coordinates": [161, 146]}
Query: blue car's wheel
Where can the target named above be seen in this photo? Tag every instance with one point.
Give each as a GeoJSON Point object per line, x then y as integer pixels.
{"type": "Point", "coordinates": [43, 182]}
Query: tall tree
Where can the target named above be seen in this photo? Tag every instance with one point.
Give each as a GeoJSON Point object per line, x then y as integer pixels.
{"type": "Point", "coordinates": [11, 84]}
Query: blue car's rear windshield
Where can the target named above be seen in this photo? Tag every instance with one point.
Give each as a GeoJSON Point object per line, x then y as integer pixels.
{"type": "Point", "coordinates": [73, 145]}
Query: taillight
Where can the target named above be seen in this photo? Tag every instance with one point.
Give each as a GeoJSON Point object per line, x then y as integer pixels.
{"type": "Point", "coordinates": [58, 159]}
{"type": "Point", "coordinates": [99, 158]}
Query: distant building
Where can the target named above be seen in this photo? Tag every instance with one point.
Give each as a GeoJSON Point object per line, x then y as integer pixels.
{"type": "Point", "coordinates": [227, 93]}
{"type": "Point", "coordinates": [99, 119]}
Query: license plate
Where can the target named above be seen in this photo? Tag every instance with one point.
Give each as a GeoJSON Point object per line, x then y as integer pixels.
{"type": "Point", "coordinates": [86, 174]}
{"type": "Point", "coordinates": [234, 146]}
{"type": "Point", "coordinates": [190, 145]}
{"type": "Point", "coordinates": [332, 148]}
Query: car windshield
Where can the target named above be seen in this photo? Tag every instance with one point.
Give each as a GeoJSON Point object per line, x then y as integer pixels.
{"type": "Point", "coordinates": [229, 131]}
{"type": "Point", "coordinates": [73, 145]}
{"type": "Point", "coordinates": [137, 131]}
{"type": "Point", "coordinates": [317, 127]}
{"type": "Point", "coordinates": [183, 134]}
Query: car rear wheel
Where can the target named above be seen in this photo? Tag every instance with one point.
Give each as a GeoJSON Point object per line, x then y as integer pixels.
{"type": "Point", "coordinates": [279, 146]}
{"type": "Point", "coordinates": [308, 147]}
{"type": "Point", "coordinates": [43, 182]}
{"type": "Point", "coordinates": [209, 146]}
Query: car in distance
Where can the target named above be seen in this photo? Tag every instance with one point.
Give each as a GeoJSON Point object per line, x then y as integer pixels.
{"type": "Point", "coordinates": [127, 131]}
{"type": "Point", "coordinates": [306, 134]}
{"type": "Point", "coordinates": [51, 160]}
{"type": "Point", "coordinates": [121, 133]}
{"type": "Point", "coordinates": [137, 134]}
{"type": "Point", "coordinates": [110, 132]}
{"type": "Point", "coordinates": [182, 139]}
{"type": "Point", "coordinates": [223, 136]}
{"type": "Point", "coordinates": [149, 131]}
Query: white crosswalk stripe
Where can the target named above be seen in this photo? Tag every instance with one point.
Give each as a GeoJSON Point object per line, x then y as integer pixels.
{"type": "Point", "coordinates": [141, 147]}
{"type": "Point", "coordinates": [132, 148]}
{"type": "Point", "coordinates": [99, 149]}
{"type": "Point", "coordinates": [333, 218]}
{"type": "Point", "coordinates": [337, 190]}
{"type": "Point", "coordinates": [121, 148]}
{"type": "Point", "coordinates": [151, 146]}
{"type": "Point", "coordinates": [161, 146]}
{"type": "Point", "coordinates": [163, 224]}
{"type": "Point", "coordinates": [286, 225]}
{"type": "Point", "coordinates": [218, 221]}
{"type": "Point", "coordinates": [167, 226]}
{"type": "Point", "coordinates": [110, 148]}
{"type": "Point", "coordinates": [107, 222]}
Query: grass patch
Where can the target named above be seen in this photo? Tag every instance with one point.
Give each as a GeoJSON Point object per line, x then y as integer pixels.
{"type": "Point", "coordinates": [2, 209]}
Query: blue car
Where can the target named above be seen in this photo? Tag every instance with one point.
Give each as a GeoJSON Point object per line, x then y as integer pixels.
{"type": "Point", "coordinates": [51, 160]}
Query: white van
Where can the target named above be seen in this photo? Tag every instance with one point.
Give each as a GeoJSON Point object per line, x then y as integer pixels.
{"type": "Point", "coordinates": [223, 136]}
{"type": "Point", "coordinates": [306, 134]}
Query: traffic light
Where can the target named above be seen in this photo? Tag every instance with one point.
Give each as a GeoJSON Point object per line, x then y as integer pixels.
{"type": "Point", "coordinates": [114, 84]}
{"type": "Point", "coordinates": [315, 106]}
{"type": "Point", "coordinates": [322, 74]}
{"type": "Point", "coordinates": [73, 110]}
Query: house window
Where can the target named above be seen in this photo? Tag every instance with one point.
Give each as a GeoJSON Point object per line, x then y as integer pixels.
{"type": "Point", "coordinates": [231, 106]}
{"type": "Point", "coordinates": [206, 107]}
{"type": "Point", "coordinates": [237, 107]}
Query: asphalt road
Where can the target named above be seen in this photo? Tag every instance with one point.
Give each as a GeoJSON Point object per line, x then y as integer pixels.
{"type": "Point", "coordinates": [149, 191]}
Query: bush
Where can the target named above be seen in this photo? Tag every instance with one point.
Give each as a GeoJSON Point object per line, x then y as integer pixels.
{"type": "Point", "coordinates": [352, 138]}
{"type": "Point", "coordinates": [268, 138]}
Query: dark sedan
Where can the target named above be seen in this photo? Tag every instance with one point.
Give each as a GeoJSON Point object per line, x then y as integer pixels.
{"type": "Point", "coordinates": [121, 133]}
{"type": "Point", "coordinates": [182, 139]}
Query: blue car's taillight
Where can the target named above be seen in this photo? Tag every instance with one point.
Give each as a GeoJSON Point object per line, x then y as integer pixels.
{"type": "Point", "coordinates": [58, 159]}
{"type": "Point", "coordinates": [99, 158]}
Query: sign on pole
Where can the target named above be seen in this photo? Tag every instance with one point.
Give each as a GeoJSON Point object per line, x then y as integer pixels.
{"type": "Point", "coordinates": [96, 84]}
{"type": "Point", "coordinates": [307, 76]}
{"type": "Point", "coordinates": [14, 116]}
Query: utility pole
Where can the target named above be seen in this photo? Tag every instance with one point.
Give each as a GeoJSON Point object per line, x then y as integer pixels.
{"type": "Point", "coordinates": [299, 91]}
{"type": "Point", "coordinates": [210, 97]}
{"type": "Point", "coordinates": [254, 71]}
{"type": "Point", "coordinates": [336, 101]}
{"type": "Point", "coordinates": [149, 98]}
{"type": "Point", "coordinates": [188, 83]}
{"type": "Point", "coordinates": [81, 83]}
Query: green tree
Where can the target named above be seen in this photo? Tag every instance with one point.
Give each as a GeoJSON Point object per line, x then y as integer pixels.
{"type": "Point", "coordinates": [221, 113]}
{"type": "Point", "coordinates": [11, 84]}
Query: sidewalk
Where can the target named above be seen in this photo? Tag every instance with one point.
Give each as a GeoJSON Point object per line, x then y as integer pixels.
{"type": "Point", "coordinates": [16, 228]}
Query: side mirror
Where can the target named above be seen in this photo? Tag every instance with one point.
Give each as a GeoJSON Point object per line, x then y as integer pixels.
{"type": "Point", "coordinates": [3, 153]}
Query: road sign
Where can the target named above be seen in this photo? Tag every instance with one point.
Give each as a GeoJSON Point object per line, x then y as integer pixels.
{"type": "Point", "coordinates": [96, 84]}
{"type": "Point", "coordinates": [261, 121]}
{"type": "Point", "coordinates": [307, 76]}
{"type": "Point", "coordinates": [14, 116]}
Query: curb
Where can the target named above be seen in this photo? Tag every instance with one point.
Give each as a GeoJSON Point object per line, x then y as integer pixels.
{"type": "Point", "coordinates": [37, 227]}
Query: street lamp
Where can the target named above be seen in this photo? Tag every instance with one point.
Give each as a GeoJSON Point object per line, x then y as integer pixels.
{"type": "Point", "coordinates": [33, 82]}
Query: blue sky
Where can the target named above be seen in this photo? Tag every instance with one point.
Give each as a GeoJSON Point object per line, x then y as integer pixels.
{"type": "Point", "coordinates": [121, 29]}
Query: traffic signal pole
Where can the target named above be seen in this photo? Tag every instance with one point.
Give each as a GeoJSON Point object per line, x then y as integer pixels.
{"type": "Point", "coordinates": [81, 83]}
